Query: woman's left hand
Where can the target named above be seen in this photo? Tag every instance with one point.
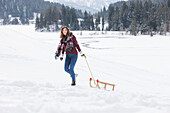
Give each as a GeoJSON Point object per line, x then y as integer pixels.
{"type": "Point", "coordinates": [61, 58]}
{"type": "Point", "coordinates": [82, 54]}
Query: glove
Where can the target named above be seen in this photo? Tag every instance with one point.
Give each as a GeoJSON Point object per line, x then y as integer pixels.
{"type": "Point", "coordinates": [61, 58]}
{"type": "Point", "coordinates": [56, 55]}
{"type": "Point", "coordinates": [82, 54]}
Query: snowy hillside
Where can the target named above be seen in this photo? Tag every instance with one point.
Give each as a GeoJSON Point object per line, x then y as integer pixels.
{"type": "Point", "coordinates": [31, 81]}
{"type": "Point", "coordinates": [89, 5]}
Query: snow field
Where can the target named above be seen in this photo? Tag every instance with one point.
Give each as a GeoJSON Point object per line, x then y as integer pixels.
{"type": "Point", "coordinates": [31, 81]}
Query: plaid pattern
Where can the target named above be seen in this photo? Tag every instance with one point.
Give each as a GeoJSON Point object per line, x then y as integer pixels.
{"type": "Point", "coordinates": [69, 45]}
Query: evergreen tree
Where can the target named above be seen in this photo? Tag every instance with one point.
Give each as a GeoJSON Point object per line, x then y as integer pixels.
{"type": "Point", "coordinates": [41, 23]}
{"type": "Point", "coordinates": [141, 16]}
{"type": "Point", "coordinates": [48, 17]}
{"type": "Point", "coordinates": [137, 14]}
{"type": "Point", "coordinates": [116, 20]}
{"type": "Point", "coordinates": [73, 20]}
{"type": "Point", "coordinates": [133, 27]}
{"type": "Point", "coordinates": [110, 17]}
{"type": "Point", "coordinates": [85, 22]}
{"type": "Point", "coordinates": [158, 18]}
{"type": "Point", "coordinates": [130, 15]}
{"type": "Point", "coordinates": [23, 16]}
{"type": "Point", "coordinates": [168, 3]}
{"type": "Point", "coordinates": [67, 16]}
{"type": "Point", "coordinates": [168, 18]}
{"type": "Point", "coordinates": [151, 20]}
{"type": "Point", "coordinates": [165, 18]}
{"type": "Point", "coordinates": [55, 17]}
{"type": "Point", "coordinates": [6, 20]}
{"type": "Point", "coordinates": [89, 22]}
{"type": "Point", "coordinates": [103, 22]}
{"type": "Point", "coordinates": [123, 15]}
{"type": "Point", "coordinates": [98, 22]}
{"type": "Point", "coordinates": [104, 12]}
{"type": "Point", "coordinates": [92, 23]}
{"type": "Point", "coordinates": [45, 22]}
{"type": "Point", "coordinates": [145, 20]}
{"type": "Point", "coordinates": [63, 15]}
{"type": "Point", "coordinates": [37, 25]}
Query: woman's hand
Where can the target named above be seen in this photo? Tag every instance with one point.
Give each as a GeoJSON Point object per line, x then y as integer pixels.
{"type": "Point", "coordinates": [61, 58]}
{"type": "Point", "coordinates": [56, 55]}
{"type": "Point", "coordinates": [82, 54]}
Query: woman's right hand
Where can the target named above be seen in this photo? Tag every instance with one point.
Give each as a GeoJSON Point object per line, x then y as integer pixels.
{"type": "Point", "coordinates": [56, 56]}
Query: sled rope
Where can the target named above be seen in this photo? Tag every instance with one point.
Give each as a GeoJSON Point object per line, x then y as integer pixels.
{"type": "Point", "coordinates": [90, 70]}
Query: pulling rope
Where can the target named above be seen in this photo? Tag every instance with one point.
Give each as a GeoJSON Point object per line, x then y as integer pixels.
{"type": "Point", "coordinates": [90, 69]}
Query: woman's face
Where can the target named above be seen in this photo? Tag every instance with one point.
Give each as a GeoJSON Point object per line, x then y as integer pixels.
{"type": "Point", "coordinates": [65, 31]}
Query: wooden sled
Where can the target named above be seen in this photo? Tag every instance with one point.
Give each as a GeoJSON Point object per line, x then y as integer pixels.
{"type": "Point", "coordinates": [99, 82]}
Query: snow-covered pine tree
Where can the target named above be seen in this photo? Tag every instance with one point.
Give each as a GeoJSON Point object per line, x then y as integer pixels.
{"type": "Point", "coordinates": [133, 27]}
{"type": "Point", "coordinates": [91, 22]}
{"type": "Point", "coordinates": [48, 17]}
{"type": "Point", "coordinates": [130, 14]}
{"type": "Point", "coordinates": [41, 23]}
{"type": "Point", "coordinates": [123, 16]}
{"type": "Point", "coordinates": [85, 22]}
{"type": "Point", "coordinates": [67, 16]}
{"type": "Point", "coordinates": [63, 15]}
{"type": "Point", "coordinates": [103, 22]}
{"type": "Point", "coordinates": [73, 20]}
{"type": "Point", "coordinates": [37, 24]}
{"type": "Point", "coordinates": [110, 17]}
{"type": "Point", "coordinates": [116, 20]}
{"type": "Point", "coordinates": [97, 22]}
{"type": "Point", "coordinates": [55, 17]}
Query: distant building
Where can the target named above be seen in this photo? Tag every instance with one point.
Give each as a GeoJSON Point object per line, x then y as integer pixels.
{"type": "Point", "coordinates": [80, 20]}
{"type": "Point", "coordinates": [12, 19]}
{"type": "Point", "coordinates": [32, 21]}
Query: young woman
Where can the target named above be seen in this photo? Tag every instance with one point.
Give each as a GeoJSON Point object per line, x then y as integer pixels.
{"type": "Point", "coordinates": [68, 44]}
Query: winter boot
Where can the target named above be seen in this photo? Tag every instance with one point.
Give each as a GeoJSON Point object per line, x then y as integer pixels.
{"type": "Point", "coordinates": [73, 83]}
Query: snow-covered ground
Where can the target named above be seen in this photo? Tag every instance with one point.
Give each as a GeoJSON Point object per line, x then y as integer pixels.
{"type": "Point", "coordinates": [32, 81]}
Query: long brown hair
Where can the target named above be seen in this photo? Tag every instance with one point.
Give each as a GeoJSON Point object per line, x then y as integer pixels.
{"type": "Point", "coordinates": [68, 31]}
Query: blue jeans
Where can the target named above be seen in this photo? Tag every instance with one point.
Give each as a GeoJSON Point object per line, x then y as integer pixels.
{"type": "Point", "coordinates": [70, 62]}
